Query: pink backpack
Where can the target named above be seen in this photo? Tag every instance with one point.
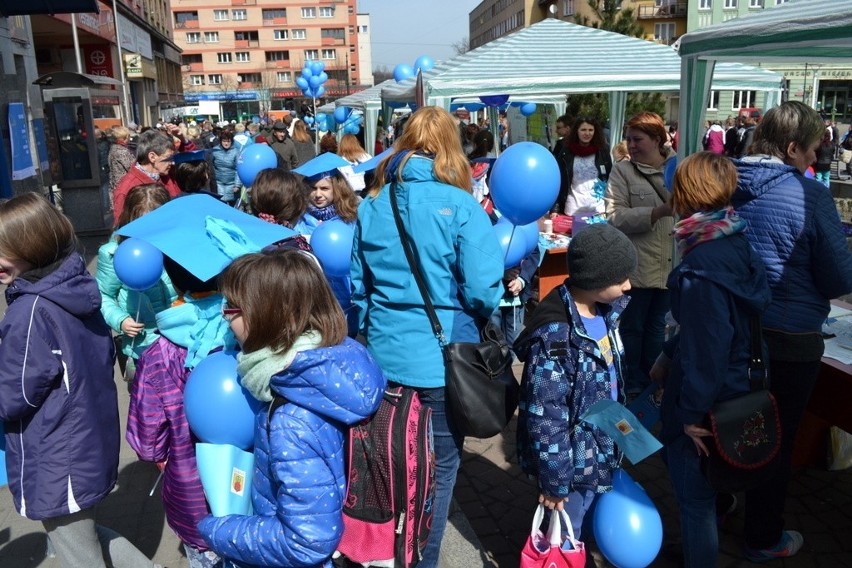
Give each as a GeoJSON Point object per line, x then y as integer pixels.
{"type": "Point", "coordinates": [387, 515]}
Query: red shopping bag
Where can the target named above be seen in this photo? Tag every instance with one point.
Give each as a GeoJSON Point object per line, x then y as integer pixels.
{"type": "Point", "coordinates": [553, 550]}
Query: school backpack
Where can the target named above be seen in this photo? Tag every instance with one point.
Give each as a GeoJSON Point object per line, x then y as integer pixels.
{"type": "Point", "coordinates": [387, 514]}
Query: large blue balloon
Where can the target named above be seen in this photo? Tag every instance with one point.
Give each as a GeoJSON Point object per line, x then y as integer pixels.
{"type": "Point", "coordinates": [332, 244]}
{"type": "Point", "coordinates": [512, 241]}
{"type": "Point", "coordinates": [138, 264]}
{"type": "Point", "coordinates": [669, 172]}
{"type": "Point", "coordinates": [402, 72]}
{"type": "Point", "coordinates": [219, 410]}
{"type": "Point", "coordinates": [317, 67]}
{"type": "Point", "coordinates": [423, 63]}
{"type": "Point", "coordinates": [627, 525]}
{"type": "Point", "coordinates": [530, 232]}
{"type": "Point", "coordinates": [341, 114]}
{"type": "Point", "coordinates": [306, 72]}
{"type": "Point", "coordinates": [524, 182]}
{"type": "Point", "coordinates": [252, 160]}
{"type": "Point", "coordinates": [527, 109]}
{"type": "Point", "coordinates": [314, 82]}
{"type": "Point", "coordinates": [320, 91]}
{"type": "Point", "coordinates": [494, 100]}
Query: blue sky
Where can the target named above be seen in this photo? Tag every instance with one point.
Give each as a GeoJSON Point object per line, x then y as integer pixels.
{"type": "Point", "coordinates": [403, 30]}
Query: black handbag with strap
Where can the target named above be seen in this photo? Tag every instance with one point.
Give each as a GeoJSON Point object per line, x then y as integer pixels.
{"type": "Point", "coordinates": [482, 392]}
{"type": "Point", "coordinates": [746, 430]}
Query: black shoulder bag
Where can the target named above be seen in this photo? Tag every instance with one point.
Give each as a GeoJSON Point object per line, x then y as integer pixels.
{"type": "Point", "coordinates": [746, 430]}
{"type": "Point", "coordinates": [482, 392]}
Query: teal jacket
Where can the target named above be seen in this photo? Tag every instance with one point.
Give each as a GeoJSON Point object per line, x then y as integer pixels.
{"type": "Point", "coordinates": [460, 260]}
{"type": "Point", "coordinates": [119, 302]}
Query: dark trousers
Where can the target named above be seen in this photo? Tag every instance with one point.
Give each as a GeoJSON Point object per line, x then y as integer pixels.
{"type": "Point", "coordinates": [792, 384]}
{"type": "Point", "coordinates": [642, 329]}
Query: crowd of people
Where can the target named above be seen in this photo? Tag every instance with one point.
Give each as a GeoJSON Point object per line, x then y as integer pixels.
{"type": "Point", "coordinates": [733, 238]}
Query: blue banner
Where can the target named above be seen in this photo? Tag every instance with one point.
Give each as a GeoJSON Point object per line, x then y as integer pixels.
{"type": "Point", "coordinates": [41, 144]}
{"type": "Point", "coordinates": [220, 96]}
{"type": "Point", "coordinates": [19, 140]}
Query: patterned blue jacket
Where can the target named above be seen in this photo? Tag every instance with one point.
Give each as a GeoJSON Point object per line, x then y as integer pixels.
{"type": "Point", "coordinates": [564, 374]}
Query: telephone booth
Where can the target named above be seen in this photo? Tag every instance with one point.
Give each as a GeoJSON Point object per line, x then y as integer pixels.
{"type": "Point", "coordinates": [74, 105]}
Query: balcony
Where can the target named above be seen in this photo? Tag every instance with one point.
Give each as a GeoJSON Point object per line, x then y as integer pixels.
{"type": "Point", "coordinates": [667, 10]}
{"type": "Point", "coordinates": [246, 43]}
{"type": "Point", "coordinates": [333, 41]}
{"type": "Point", "coordinates": [282, 64]}
{"type": "Point", "coordinates": [275, 21]}
{"type": "Point", "coordinates": [198, 66]}
{"type": "Point", "coordinates": [187, 25]}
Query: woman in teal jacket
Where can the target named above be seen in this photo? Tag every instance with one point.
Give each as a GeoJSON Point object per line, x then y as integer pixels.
{"type": "Point", "coordinates": [462, 266]}
{"type": "Point", "coordinates": [129, 313]}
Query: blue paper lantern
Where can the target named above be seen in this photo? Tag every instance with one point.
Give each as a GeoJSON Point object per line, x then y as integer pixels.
{"type": "Point", "coordinates": [138, 264]}
{"type": "Point", "coordinates": [402, 72]}
{"type": "Point", "coordinates": [525, 182]}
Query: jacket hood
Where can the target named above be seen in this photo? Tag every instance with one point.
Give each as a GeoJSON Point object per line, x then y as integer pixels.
{"type": "Point", "coordinates": [341, 382]}
{"type": "Point", "coordinates": [757, 175]}
{"type": "Point", "coordinates": [70, 286]}
{"type": "Point", "coordinates": [198, 326]}
{"type": "Point", "coordinates": [419, 168]}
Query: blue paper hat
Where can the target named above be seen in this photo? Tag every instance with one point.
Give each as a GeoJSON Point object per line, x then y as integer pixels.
{"type": "Point", "coordinates": [202, 234]}
{"type": "Point", "coordinates": [372, 163]}
{"type": "Point", "coordinates": [194, 156]}
{"type": "Point", "coordinates": [323, 166]}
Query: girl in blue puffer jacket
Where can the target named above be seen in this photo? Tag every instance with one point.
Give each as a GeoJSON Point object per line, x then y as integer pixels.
{"type": "Point", "coordinates": [295, 355]}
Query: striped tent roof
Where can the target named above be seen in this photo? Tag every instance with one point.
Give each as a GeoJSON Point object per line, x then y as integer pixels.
{"type": "Point", "coordinates": [557, 57]}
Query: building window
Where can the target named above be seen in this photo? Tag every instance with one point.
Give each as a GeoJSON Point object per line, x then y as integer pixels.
{"type": "Point", "coordinates": [280, 34]}
{"type": "Point", "coordinates": [250, 78]}
{"type": "Point", "coordinates": [311, 54]}
{"type": "Point", "coordinates": [334, 33]}
{"type": "Point", "coordinates": [215, 79]}
{"type": "Point", "coordinates": [713, 101]}
{"type": "Point", "coordinates": [183, 18]}
{"type": "Point", "coordinates": [664, 32]}
{"type": "Point", "coordinates": [246, 36]}
{"type": "Point", "coordinates": [273, 14]}
{"type": "Point", "coordinates": [705, 4]}
{"type": "Point", "coordinates": [309, 12]}
{"type": "Point", "coordinates": [755, 3]}
{"type": "Point", "coordinates": [363, 29]}
{"type": "Point", "coordinates": [567, 7]}
{"type": "Point", "coordinates": [284, 76]}
{"type": "Point", "coordinates": [193, 37]}
{"type": "Point", "coordinates": [239, 15]}
{"type": "Point", "coordinates": [223, 57]}
{"type": "Point", "coordinates": [243, 56]}
{"type": "Point", "coordinates": [779, 2]}
{"type": "Point", "coordinates": [196, 80]}
{"type": "Point", "coordinates": [329, 54]}
{"type": "Point", "coordinates": [730, 4]}
{"type": "Point", "coordinates": [277, 55]}
{"type": "Point", "coordinates": [220, 15]}
{"type": "Point", "coordinates": [300, 34]}
{"type": "Point", "coordinates": [211, 37]}
{"type": "Point", "coordinates": [743, 99]}
{"type": "Point", "coordinates": [326, 12]}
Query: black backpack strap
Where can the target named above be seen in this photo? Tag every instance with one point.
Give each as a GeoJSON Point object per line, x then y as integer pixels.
{"type": "Point", "coordinates": [277, 402]}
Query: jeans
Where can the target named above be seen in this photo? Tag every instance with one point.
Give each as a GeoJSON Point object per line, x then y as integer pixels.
{"type": "Point", "coordinates": [448, 448]}
{"type": "Point", "coordinates": [642, 329]}
{"type": "Point", "coordinates": [509, 320]}
{"type": "Point", "coordinates": [577, 506]}
{"type": "Point", "coordinates": [792, 384]}
{"type": "Point", "coordinates": [697, 503]}
{"type": "Point", "coordinates": [79, 543]}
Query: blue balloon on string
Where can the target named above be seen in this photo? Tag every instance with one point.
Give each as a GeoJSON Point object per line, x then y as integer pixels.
{"type": "Point", "coordinates": [319, 92]}
{"type": "Point", "coordinates": [341, 114]}
{"type": "Point", "coordinates": [252, 160]}
{"type": "Point", "coordinates": [302, 83]}
{"type": "Point", "coordinates": [512, 241]}
{"type": "Point", "coordinates": [525, 182]}
{"type": "Point", "coordinates": [402, 72]}
{"type": "Point", "coordinates": [323, 77]}
{"type": "Point", "coordinates": [308, 120]}
{"type": "Point", "coordinates": [669, 172]}
{"type": "Point", "coordinates": [530, 232]}
{"type": "Point", "coordinates": [527, 109]}
{"type": "Point", "coordinates": [306, 72]}
{"type": "Point", "coordinates": [138, 264]}
{"type": "Point", "coordinates": [332, 244]}
{"type": "Point", "coordinates": [424, 63]}
{"type": "Point", "coordinates": [314, 81]}
{"type": "Point", "coordinates": [494, 100]}
{"type": "Point", "coordinates": [317, 67]}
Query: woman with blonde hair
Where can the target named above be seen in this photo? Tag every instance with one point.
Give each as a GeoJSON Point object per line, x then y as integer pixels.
{"type": "Point", "coordinates": [352, 151]}
{"type": "Point", "coordinates": [120, 157]}
{"type": "Point", "coordinates": [462, 267]}
{"type": "Point", "coordinates": [305, 149]}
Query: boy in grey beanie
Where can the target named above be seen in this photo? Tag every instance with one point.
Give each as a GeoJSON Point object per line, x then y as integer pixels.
{"type": "Point", "coordinates": [571, 353]}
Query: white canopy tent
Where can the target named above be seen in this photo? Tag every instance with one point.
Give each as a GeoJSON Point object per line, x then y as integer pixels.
{"type": "Point", "coordinates": [553, 57]}
{"type": "Point", "coordinates": [809, 31]}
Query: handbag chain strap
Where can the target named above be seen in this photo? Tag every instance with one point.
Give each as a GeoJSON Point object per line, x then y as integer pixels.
{"type": "Point", "coordinates": [415, 271]}
{"type": "Point", "coordinates": [656, 189]}
{"type": "Point", "coordinates": [757, 375]}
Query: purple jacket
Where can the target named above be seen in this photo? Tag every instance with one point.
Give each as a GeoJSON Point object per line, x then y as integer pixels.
{"type": "Point", "coordinates": [158, 430]}
{"type": "Point", "coordinates": [57, 394]}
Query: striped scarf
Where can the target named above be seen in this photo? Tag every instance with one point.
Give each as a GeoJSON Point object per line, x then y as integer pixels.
{"type": "Point", "coordinates": [705, 226]}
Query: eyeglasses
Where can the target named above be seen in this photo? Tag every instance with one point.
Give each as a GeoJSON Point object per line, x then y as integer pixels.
{"type": "Point", "coordinates": [229, 311]}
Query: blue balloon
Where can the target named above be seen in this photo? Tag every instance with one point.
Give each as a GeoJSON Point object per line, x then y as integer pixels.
{"type": "Point", "coordinates": [352, 129]}
{"type": "Point", "coordinates": [530, 232]}
{"type": "Point", "coordinates": [321, 116]}
{"type": "Point", "coordinates": [524, 182]}
{"type": "Point", "coordinates": [314, 82]}
{"type": "Point", "coordinates": [341, 114]}
{"type": "Point", "coordinates": [332, 244]}
{"type": "Point", "coordinates": [512, 242]}
{"type": "Point", "coordinates": [423, 63]}
{"type": "Point", "coordinates": [627, 525]}
{"type": "Point", "coordinates": [323, 77]}
{"type": "Point", "coordinates": [669, 172]}
{"type": "Point", "coordinates": [138, 264]}
{"type": "Point", "coordinates": [306, 72]}
{"type": "Point", "coordinates": [494, 100]}
{"type": "Point", "coordinates": [302, 83]}
{"type": "Point", "coordinates": [308, 120]}
{"type": "Point", "coordinates": [219, 410]}
{"type": "Point", "coordinates": [473, 107]}
{"type": "Point", "coordinates": [252, 160]}
{"type": "Point", "coordinates": [317, 67]}
{"type": "Point", "coordinates": [402, 72]}
{"type": "Point", "coordinates": [527, 109]}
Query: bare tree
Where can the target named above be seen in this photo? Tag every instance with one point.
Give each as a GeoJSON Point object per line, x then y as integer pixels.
{"type": "Point", "coordinates": [381, 74]}
{"type": "Point", "coordinates": [461, 46]}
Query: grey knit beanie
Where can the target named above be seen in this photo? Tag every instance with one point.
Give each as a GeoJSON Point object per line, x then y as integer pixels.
{"type": "Point", "coordinates": [600, 256]}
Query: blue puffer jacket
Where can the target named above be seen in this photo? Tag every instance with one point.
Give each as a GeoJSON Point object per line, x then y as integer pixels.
{"type": "Point", "coordinates": [794, 227]}
{"type": "Point", "coordinates": [119, 303]}
{"type": "Point", "coordinates": [57, 394]}
{"type": "Point", "coordinates": [715, 290]}
{"type": "Point", "coordinates": [564, 374]}
{"type": "Point", "coordinates": [299, 480]}
{"type": "Point", "coordinates": [224, 165]}
{"type": "Point", "coordinates": [460, 260]}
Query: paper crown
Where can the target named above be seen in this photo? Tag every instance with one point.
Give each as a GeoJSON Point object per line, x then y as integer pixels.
{"type": "Point", "coordinates": [323, 166]}
{"type": "Point", "coordinates": [202, 234]}
{"type": "Point", "coordinates": [193, 156]}
{"type": "Point", "coordinates": [372, 163]}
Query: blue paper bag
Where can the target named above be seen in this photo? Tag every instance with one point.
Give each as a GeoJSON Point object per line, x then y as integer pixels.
{"type": "Point", "coordinates": [226, 476]}
{"type": "Point", "coordinates": [624, 428]}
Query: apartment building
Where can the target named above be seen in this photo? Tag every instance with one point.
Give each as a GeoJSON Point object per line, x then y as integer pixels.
{"type": "Point", "coordinates": [241, 57]}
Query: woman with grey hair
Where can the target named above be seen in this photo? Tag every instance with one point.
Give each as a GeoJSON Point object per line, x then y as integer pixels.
{"type": "Point", "coordinates": [155, 152]}
{"type": "Point", "coordinates": [794, 227]}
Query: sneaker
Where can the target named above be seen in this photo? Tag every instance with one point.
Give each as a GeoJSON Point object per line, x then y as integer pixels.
{"type": "Point", "coordinates": [789, 545]}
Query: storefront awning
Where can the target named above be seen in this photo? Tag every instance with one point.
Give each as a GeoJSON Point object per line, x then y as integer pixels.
{"type": "Point", "coordinates": [31, 7]}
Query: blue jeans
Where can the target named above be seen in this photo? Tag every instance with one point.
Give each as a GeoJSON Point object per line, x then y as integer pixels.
{"type": "Point", "coordinates": [642, 329]}
{"type": "Point", "coordinates": [697, 503]}
{"type": "Point", "coordinates": [509, 320]}
{"type": "Point", "coordinates": [448, 448]}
